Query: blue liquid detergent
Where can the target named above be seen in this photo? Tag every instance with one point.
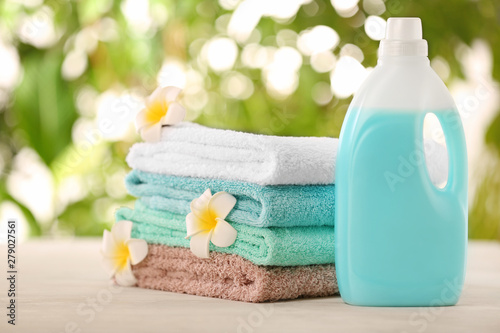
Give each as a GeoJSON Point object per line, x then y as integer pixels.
{"type": "Point", "coordinates": [400, 240]}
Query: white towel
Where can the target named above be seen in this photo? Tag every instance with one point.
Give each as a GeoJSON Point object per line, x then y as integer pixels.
{"type": "Point", "coordinates": [192, 150]}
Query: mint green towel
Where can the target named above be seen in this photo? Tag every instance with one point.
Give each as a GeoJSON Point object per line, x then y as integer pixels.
{"type": "Point", "coordinates": [256, 205]}
{"type": "Point", "coordinates": [263, 246]}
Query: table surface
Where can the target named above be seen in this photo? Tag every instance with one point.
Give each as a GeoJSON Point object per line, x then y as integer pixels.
{"type": "Point", "coordinates": [62, 288]}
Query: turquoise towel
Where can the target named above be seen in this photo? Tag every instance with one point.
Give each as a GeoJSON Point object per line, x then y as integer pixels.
{"type": "Point", "coordinates": [263, 246]}
{"type": "Point", "coordinates": [258, 206]}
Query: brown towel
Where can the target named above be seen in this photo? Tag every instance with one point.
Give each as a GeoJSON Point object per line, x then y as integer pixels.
{"type": "Point", "coordinates": [230, 276]}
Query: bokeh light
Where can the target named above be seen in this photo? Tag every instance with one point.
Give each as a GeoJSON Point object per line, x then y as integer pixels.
{"type": "Point", "coordinates": [172, 73]}
{"type": "Point", "coordinates": [38, 28]}
{"type": "Point", "coordinates": [345, 8]}
{"type": "Point", "coordinates": [375, 27]}
{"type": "Point", "coordinates": [221, 54]}
{"type": "Point", "coordinates": [347, 76]}
{"type": "Point", "coordinates": [318, 39]}
{"type": "Point", "coordinates": [236, 85]}
{"type": "Point", "coordinates": [10, 66]}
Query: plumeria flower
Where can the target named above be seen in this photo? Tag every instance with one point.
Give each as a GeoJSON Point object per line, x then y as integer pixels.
{"type": "Point", "coordinates": [206, 222]}
{"type": "Point", "coordinates": [120, 252]}
{"type": "Point", "coordinates": [161, 109]}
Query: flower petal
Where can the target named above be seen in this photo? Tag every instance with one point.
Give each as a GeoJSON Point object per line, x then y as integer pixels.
{"type": "Point", "coordinates": [151, 133]}
{"type": "Point", "coordinates": [141, 120]}
{"type": "Point", "coordinates": [201, 203]}
{"type": "Point", "coordinates": [194, 225]}
{"type": "Point", "coordinates": [164, 95]}
{"type": "Point", "coordinates": [221, 204]}
{"type": "Point", "coordinates": [108, 244]}
{"type": "Point", "coordinates": [171, 93]}
{"type": "Point", "coordinates": [157, 95]}
{"type": "Point", "coordinates": [224, 234]}
{"type": "Point", "coordinates": [125, 277]}
{"type": "Point", "coordinates": [121, 231]}
{"type": "Point", "coordinates": [138, 249]}
{"type": "Point", "coordinates": [175, 114]}
{"type": "Point", "coordinates": [200, 244]}
{"type": "Point", "coordinates": [110, 265]}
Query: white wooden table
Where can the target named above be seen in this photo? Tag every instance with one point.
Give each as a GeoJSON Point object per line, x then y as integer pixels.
{"type": "Point", "coordinates": [62, 288]}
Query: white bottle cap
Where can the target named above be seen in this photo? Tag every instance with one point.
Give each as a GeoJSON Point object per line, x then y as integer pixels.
{"type": "Point", "coordinates": [403, 37]}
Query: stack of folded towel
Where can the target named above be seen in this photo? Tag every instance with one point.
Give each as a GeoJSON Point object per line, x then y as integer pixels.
{"type": "Point", "coordinates": [284, 213]}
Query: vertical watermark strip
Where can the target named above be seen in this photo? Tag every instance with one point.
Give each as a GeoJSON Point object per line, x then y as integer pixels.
{"type": "Point", "coordinates": [11, 272]}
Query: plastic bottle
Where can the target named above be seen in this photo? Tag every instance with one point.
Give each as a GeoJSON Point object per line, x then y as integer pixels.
{"type": "Point", "coordinates": [400, 240]}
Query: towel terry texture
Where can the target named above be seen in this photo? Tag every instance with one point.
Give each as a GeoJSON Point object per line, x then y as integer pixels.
{"type": "Point", "coordinates": [230, 276]}
{"type": "Point", "coordinates": [193, 150]}
{"type": "Point", "coordinates": [258, 206]}
{"type": "Point", "coordinates": [262, 246]}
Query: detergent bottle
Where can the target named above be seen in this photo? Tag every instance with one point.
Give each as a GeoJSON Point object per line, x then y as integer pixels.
{"type": "Point", "coordinates": [400, 240]}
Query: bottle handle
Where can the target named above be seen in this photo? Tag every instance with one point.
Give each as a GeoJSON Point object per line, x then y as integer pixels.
{"type": "Point", "coordinates": [457, 152]}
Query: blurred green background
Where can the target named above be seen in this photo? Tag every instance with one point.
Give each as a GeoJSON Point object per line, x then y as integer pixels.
{"type": "Point", "coordinates": [285, 67]}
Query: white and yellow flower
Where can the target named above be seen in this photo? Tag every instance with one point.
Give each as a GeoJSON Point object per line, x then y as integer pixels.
{"type": "Point", "coordinates": [120, 252]}
{"type": "Point", "coordinates": [206, 222]}
{"type": "Point", "coordinates": [161, 109]}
